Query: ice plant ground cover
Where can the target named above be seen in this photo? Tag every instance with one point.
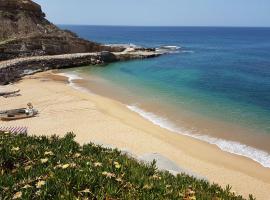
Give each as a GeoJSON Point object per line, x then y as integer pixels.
{"type": "Point", "coordinates": [34, 167]}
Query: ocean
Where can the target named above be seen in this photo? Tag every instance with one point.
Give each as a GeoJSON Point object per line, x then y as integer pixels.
{"type": "Point", "coordinates": [214, 85]}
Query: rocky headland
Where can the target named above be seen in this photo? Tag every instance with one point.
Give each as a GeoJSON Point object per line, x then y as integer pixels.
{"type": "Point", "coordinates": [12, 70]}
{"type": "Point", "coordinates": [29, 42]}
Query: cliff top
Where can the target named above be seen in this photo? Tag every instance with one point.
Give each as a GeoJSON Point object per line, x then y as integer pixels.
{"type": "Point", "coordinates": [19, 18]}
{"type": "Point", "coordinates": [20, 5]}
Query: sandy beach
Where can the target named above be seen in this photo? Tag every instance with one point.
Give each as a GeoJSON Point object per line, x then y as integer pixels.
{"type": "Point", "coordinates": [94, 118]}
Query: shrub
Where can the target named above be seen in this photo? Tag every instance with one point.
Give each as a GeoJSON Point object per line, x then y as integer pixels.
{"type": "Point", "coordinates": [34, 167]}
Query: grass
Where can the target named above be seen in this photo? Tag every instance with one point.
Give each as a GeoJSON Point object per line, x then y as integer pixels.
{"type": "Point", "coordinates": [34, 167]}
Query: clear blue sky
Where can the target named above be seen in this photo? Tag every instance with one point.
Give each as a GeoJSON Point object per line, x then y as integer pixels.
{"type": "Point", "coordinates": [159, 12]}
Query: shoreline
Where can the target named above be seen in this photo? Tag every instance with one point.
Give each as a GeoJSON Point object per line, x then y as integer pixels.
{"type": "Point", "coordinates": [234, 145]}
{"type": "Point", "coordinates": [65, 109]}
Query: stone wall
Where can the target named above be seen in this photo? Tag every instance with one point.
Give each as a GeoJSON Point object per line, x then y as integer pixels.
{"type": "Point", "coordinates": [13, 70]}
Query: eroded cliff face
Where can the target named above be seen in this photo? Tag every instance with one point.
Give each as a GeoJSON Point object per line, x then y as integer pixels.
{"type": "Point", "coordinates": [20, 18]}
{"type": "Point", "coordinates": [24, 31]}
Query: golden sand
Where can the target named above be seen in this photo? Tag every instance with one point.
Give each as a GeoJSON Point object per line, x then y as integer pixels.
{"type": "Point", "coordinates": [95, 118]}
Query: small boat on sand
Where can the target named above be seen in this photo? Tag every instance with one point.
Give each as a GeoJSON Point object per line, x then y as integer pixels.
{"type": "Point", "coordinates": [20, 113]}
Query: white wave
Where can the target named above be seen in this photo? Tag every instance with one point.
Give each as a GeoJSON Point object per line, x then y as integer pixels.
{"type": "Point", "coordinates": [130, 45]}
{"type": "Point", "coordinates": [233, 147]}
{"type": "Point", "coordinates": [187, 51]}
{"type": "Point", "coordinates": [168, 49]}
{"type": "Point", "coordinates": [71, 77]}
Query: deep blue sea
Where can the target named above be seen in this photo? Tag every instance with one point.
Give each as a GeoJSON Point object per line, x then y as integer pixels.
{"type": "Point", "coordinates": [215, 87]}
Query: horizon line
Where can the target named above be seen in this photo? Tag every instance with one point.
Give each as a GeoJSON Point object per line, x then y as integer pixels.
{"type": "Point", "coordinates": [173, 26]}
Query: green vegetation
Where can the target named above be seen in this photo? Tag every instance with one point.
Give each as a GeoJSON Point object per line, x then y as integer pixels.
{"type": "Point", "coordinates": [59, 168]}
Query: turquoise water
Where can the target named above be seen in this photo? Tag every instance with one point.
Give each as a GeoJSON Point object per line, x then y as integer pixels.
{"type": "Point", "coordinates": [219, 78]}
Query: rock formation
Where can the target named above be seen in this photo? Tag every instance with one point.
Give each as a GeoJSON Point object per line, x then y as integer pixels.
{"type": "Point", "coordinates": [26, 32]}
{"type": "Point", "coordinates": [29, 43]}
{"type": "Point", "coordinates": [13, 70]}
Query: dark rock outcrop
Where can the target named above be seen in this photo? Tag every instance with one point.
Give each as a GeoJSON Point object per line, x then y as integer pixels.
{"type": "Point", "coordinates": [13, 70]}
{"type": "Point", "coordinates": [26, 32]}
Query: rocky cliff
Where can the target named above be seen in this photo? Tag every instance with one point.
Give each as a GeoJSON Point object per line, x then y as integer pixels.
{"type": "Point", "coordinates": [26, 32]}
{"type": "Point", "coordinates": [29, 43]}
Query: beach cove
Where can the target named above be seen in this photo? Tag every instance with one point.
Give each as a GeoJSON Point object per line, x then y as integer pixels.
{"type": "Point", "coordinates": [94, 118]}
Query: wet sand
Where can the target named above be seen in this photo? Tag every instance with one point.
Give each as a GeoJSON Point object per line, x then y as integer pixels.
{"type": "Point", "coordinates": [95, 118]}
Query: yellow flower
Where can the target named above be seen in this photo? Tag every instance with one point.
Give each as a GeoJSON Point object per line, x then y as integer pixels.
{"type": "Point", "coordinates": [26, 186]}
{"type": "Point", "coordinates": [65, 166]}
{"type": "Point", "coordinates": [104, 173]}
{"type": "Point", "coordinates": [51, 174]}
{"type": "Point", "coordinates": [77, 155]}
{"type": "Point", "coordinates": [147, 187]}
{"type": "Point", "coordinates": [44, 160]}
{"type": "Point", "coordinates": [17, 195]}
{"type": "Point", "coordinates": [108, 174]}
{"type": "Point", "coordinates": [85, 191]}
{"type": "Point", "coordinates": [49, 153]}
{"type": "Point", "coordinates": [40, 184]}
{"type": "Point", "coordinates": [156, 177]}
{"type": "Point", "coordinates": [15, 149]}
{"type": "Point", "coordinates": [119, 180]}
{"type": "Point", "coordinates": [190, 192]}
{"type": "Point", "coordinates": [97, 164]}
{"type": "Point", "coordinates": [27, 168]}
{"type": "Point", "coordinates": [58, 166]}
{"type": "Point", "coordinates": [117, 165]}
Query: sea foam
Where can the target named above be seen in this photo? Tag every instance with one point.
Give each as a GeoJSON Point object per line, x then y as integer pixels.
{"type": "Point", "coordinates": [130, 45]}
{"type": "Point", "coordinates": [187, 51]}
{"type": "Point", "coordinates": [71, 77]}
{"type": "Point", "coordinates": [233, 147]}
{"type": "Point", "coordinates": [168, 49]}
